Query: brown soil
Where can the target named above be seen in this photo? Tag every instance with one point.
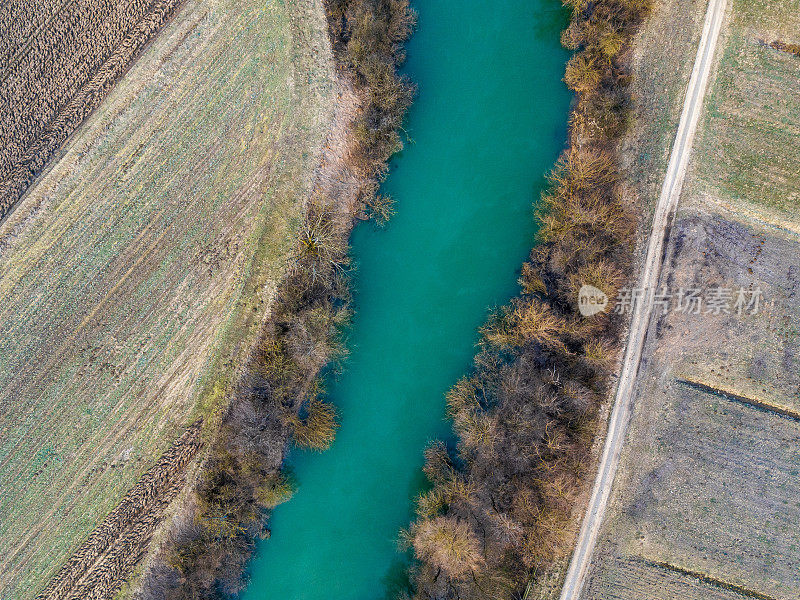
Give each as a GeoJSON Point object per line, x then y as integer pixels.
{"type": "Point", "coordinates": [106, 41]}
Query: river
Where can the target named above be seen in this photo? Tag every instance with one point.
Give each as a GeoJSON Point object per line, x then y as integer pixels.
{"type": "Point", "coordinates": [489, 122]}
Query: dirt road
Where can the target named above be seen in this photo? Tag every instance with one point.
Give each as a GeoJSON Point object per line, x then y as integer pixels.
{"type": "Point", "coordinates": [662, 219]}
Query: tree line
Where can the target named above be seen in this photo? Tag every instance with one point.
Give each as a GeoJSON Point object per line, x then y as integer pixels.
{"type": "Point", "coordinates": [500, 506]}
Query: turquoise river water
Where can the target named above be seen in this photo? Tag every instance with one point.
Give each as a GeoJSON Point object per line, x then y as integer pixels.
{"type": "Point", "coordinates": [489, 122]}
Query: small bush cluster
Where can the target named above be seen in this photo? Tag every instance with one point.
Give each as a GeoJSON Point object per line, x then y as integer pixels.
{"type": "Point", "coordinates": [784, 47]}
{"type": "Point", "coordinates": [368, 38]}
{"type": "Point", "coordinates": [241, 478]}
{"type": "Point", "coordinates": [598, 71]}
{"type": "Point", "coordinates": [501, 504]}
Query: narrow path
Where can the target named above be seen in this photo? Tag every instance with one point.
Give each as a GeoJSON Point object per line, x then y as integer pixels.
{"type": "Point", "coordinates": [662, 219]}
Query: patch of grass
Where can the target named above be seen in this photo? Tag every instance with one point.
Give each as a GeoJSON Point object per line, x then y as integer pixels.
{"type": "Point", "coordinates": [747, 154]}
{"type": "Point", "coordinates": [137, 272]}
{"type": "Point", "coordinates": [661, 65]}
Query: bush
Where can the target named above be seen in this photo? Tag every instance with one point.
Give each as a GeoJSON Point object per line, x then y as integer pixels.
{"type": "Point", "coordinates": [316, 430]}
{"type": "Point", "coordinates": [273, 491]}
{"type": "Point", "coordinates": [448, 544]}
{"type": "Point", "coordinates": [784, 47]}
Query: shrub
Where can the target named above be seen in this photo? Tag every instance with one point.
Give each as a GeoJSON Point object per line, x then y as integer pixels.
{"type": "Point", "coordinates": [316, 430]}
{"type": "Point", "coordinates": [448, 544]}
{"type": "Point", "coordinates": [583, 73]}
{"type": "Point", "coordinates": [381, 208]}
{"type": "Point", "coordinates": [273, 491]}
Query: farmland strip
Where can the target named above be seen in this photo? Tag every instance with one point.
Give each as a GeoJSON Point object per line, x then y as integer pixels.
{"type": "Point", "coordinates": [36, 82]}
{"type": "Point", "coordinates": [7, 24]}
{"type": "Point", "coordinates": [725, 585]}
{"type": "Point", "coordinates": [118, 542]}
{"type": "Point", "coordinates": [751, 402]}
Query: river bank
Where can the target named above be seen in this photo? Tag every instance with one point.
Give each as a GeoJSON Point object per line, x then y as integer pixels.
{"type": "Point", "coordinates": [503, 508]}
{"type": "Point", "coordinates": [136, 271]}
{"type": "Point", "coordinates": [279, 397]}
{"type": "Point", "coordinates": [423, 286]}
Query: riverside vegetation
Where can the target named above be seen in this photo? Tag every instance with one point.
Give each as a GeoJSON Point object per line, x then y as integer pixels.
{"type": "Point", "coordinates": [241, 477]}
{"type": "Point", "coordinates": [693, 515]}
{"type": "Point", "coordinates": [500, 506]}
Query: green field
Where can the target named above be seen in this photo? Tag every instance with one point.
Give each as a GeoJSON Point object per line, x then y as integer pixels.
{"type": "Point", "coordinates": [135, 273]}
{"type": "Point", "coordinates": [748, 155]}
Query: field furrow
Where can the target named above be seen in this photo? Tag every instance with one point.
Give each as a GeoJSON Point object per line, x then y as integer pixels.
{"type": "Point", "coordinates": [135, 273]}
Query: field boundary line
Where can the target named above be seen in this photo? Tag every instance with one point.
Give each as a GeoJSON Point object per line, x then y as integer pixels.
{"type": "Point", "coordinates": [708, 579]}
{"type": "Point", "coordinates": [662, 219]}
{"type": "Point", "coordinates": [753, 403]}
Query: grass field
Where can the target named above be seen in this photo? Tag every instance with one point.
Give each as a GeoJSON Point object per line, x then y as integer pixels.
{"type": "Point", "coordinates": [748, 155]}
{"type": "Point", "coordinates": [135, 273]}
{"type": "Point", "coordinates": [662, 64]}
{"type": "Point", "coordinates": [705, 503]}
{"type": "Point", "coordinates": [636, 579]}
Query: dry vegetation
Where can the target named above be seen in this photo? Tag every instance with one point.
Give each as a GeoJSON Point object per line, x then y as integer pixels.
{"type": "Point", "coordinates": [500, 508]}
{"type": "Point", "coordinates": [59, 60]}
{"type": "Point", "coordinates": [136, 273]}
{"type": "Point", "coordinates": [706, 503]}
{"type": "Point", "coordinates": [708, 486]}
{"type": "Point", "coordinates": [784, 47]}
{"type": "Point", "coordinates": [206, 553]}
{"type": "Point", "coordinates": [661, 63]}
